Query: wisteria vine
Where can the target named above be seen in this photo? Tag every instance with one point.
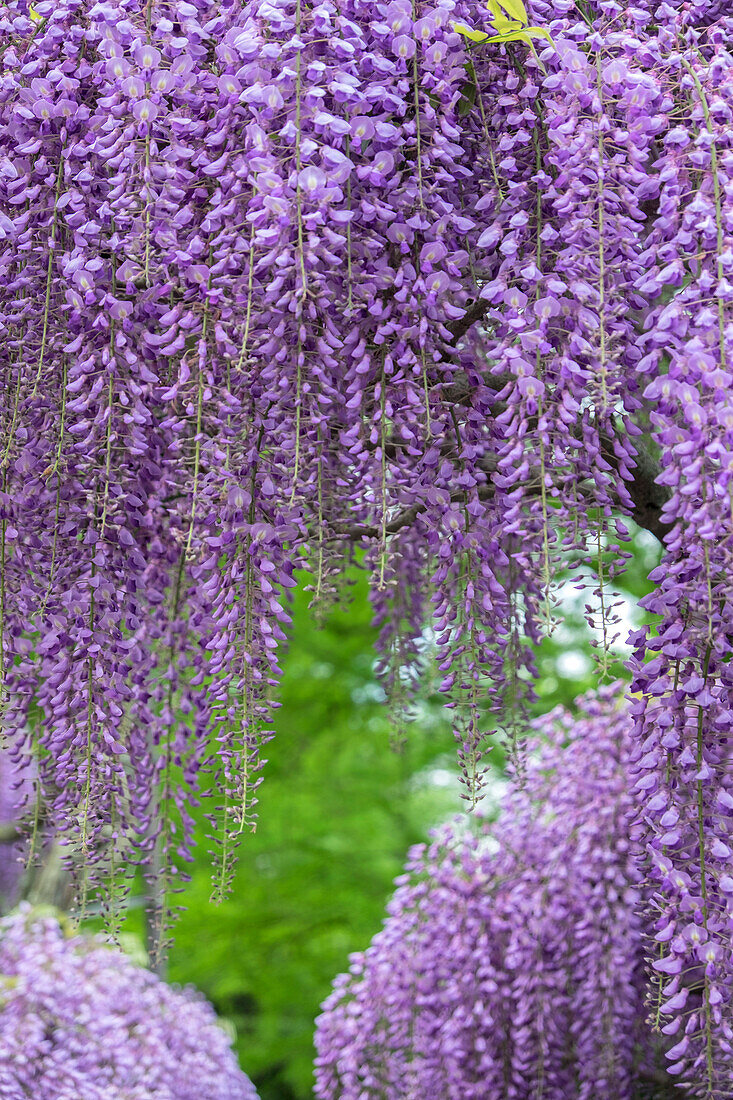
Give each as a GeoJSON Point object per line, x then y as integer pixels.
{"type": "Point", "coordinates": [283, 278]}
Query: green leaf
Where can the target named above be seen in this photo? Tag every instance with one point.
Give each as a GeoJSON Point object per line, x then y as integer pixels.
{"type": "Point", "coordinates": [515, 9]}
{"type": "Point", "coordinates": [474, 36]}
{"type": "Point", "coordinates": [512, 33]}
{"type": "Point", "coordinates": [522, 36]}
{"type": "Point", "coordinates": [500, 20]}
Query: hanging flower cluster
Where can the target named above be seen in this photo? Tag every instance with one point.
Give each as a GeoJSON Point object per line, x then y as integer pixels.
{"type": "Point", "coordinates": [16, 793]}
{"type": "Point", "coordinates": [684, 713]}
{"type": "Point", "coordinates": [512, 958]}
{"type": "Point", "coordinates": [80, 1021]}
{"type": "Point", "coordinates": [286, 277]}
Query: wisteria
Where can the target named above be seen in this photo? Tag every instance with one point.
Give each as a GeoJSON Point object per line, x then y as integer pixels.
{"type": "Point", "coordinates": [81, 1021]}
{"type": "Point", "coordinates": [16, 803]}
{"type": "Point", "coordinates": [288, 279]}
{"type": "Point", "coordinates": [511, 964]}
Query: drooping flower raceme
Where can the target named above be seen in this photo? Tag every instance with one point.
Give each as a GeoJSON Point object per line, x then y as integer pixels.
{"type": "Point", "coordinates": [80, 1021]}
{"type": "Point", "coordinates": [16, 791]}
{"type": "Point", "coordinates": [512, 959]}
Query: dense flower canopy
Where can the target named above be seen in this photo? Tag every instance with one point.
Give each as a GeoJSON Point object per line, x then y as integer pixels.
{"type": "Point", "coordinates": [80, 1021]}
{"type": "Point", "coordinates": [513, 954]}
{"type": "Point", "coordinates": [282, 278]}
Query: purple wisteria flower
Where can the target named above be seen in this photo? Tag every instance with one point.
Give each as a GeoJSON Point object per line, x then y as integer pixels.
{"type": "Point", "coordinates": [512, 959]}
{"type": "Point", "coordinates": [17, 801]}
{"type": "Point", "coordinates": [80, 1021]}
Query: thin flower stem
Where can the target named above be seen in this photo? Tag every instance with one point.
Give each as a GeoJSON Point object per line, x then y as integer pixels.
{"type": "Point", "coordinates": [298, 160]}
{"type": "Point", "coordinates": [602, 336]}
{"type": "Point", "coordinates": [604, 669]}
{"type": "Point", "coordinates": [383, 480]}
{"type": "Point", "coordinates": [108, 456]}
{"type": "Point", "coordinates": [349, 255]}
{"type": "Point", "coordinates": [49, 275]}
{"type": "Point", "coordinates": [199, 424]}
{"type": "Point", "coordinates": [718, 197]}
{"type": "Point", "coordinates": [84, 838]}
{"type": "Point", "coordinates": [702, 840]}
{"type": "Point", "coordinates": [248, 308]}
{"type": "Point", "coordinates": [418, 135]}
